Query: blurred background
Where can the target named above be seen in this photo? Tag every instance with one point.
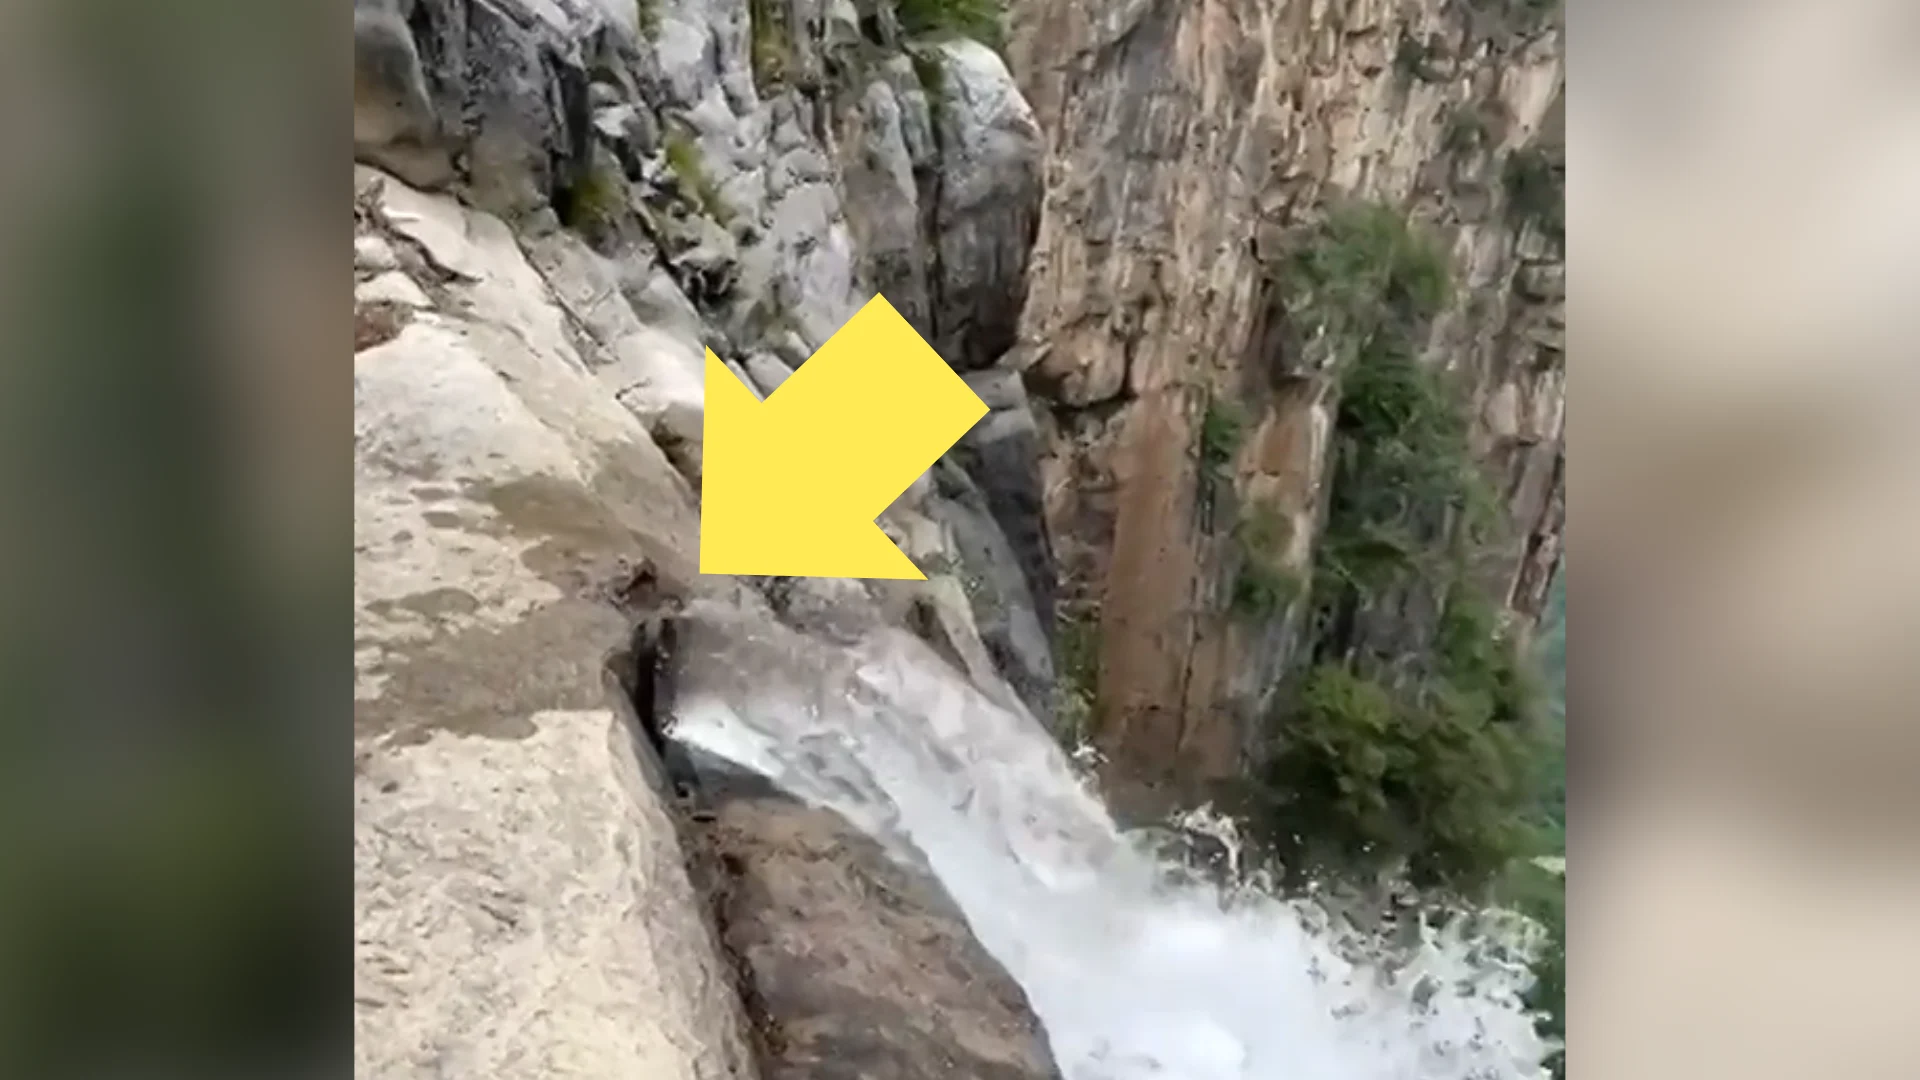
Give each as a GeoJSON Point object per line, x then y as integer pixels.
{"type": "Point", "coordinates": [1742, 616]}
{"type": "Point", "coordinates": [174, 522]}
{"type": "Point", "coordinates": [175, 680]}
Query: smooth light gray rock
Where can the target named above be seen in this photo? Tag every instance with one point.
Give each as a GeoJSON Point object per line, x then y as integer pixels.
{"type": "Point", "coordinates": [767, 372]}
{"type": "Point", "coordinates": [842, 24]}
{"type": "Point", "coordinates": [521, 904]}
{"type": "Point", "coordinates": [392, 287]}
{"type": "Point", "coordinates": [657, 372]}
{"type": "Point", "coordinates": [916, 115]}
{"type": "Point", "coordinates": [395, 122]}
{"type": "Point", "coordinates": [510, 88]}
{"type": "Point", "coordinates": [1010, 622]}
{"type": "Point", "coordinates": [884, 213]}
{"type": "Point", "coordinates": [657, 301]}
{"type": "Point", "coordinates": [985, 195]}
{"type": "Point", "coordinates": [630, 130]}
{"type": "Point", "coordinates": [701, 46]}
{"type": "Point", "coordinates": [373, 255]}
{"type": "Point", "coordinates": [814, 260]}
{"type": "Point", "coordinates": [1001, 456]}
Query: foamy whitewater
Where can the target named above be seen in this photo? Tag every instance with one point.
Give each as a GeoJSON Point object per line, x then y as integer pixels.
{"type": "Point", "coordinates": [1136, 971]}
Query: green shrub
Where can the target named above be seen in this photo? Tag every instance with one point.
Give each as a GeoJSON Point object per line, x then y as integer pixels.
{"type": "Point", "coordinates": [771, 46]}
{"type": "Point", "coordinates": [683, 157]}
{"type": "Point", "coordinates": [1370, 284]}
{"type": "Point", "coordinates": [1541, 895]}
{"type": "Point", "coordinates": [1535, 192]}
{"type": "Point", "coordinates": [1529, 888]}
{"type": "Point", "coordinates": [1424, 748]}
{"type": "Point", "coordinates": [1468, 129]}
{"type": "Point", "coordinates": [1262, 590]}
{"type": "Point", "coordinates": [1262, 586]}
{"type": "Point", "coordinates": [1552, 654]}
{"type": "Point", "coordinates": [1221, 431]}
{"type": "Point", "coordinates": [1413, 59]}
{"type": "Point", "coordinates": [1076, 674]}
{"type": "Point", "coordinates": [1407, 494]}
{"type": "Point", "coordinates": [1077, 641]}
{"type": "Point", "coordinates": [982, 20]}
{"type": "Point", "coordinates": [1477, 658]}
{"type": "Point", "coordinates": [1366, 774]}
{"type": "Point", "coordinates": [596, 201]}
{"type": "Point", "coordinates": [1363, 278]}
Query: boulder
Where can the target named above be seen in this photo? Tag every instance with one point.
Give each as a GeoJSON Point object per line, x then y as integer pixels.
{"type": "Point", "coordinates": [985, 199]}
{"type": "Point", "coordinates": [522, 907]}
{"type": "Point", "coordinates": [854, 966]}
{"type": "Point", "coordinates": [994, 588]}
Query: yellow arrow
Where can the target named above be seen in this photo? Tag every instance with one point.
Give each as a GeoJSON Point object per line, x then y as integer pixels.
{"type": "Point", "coordinates": [791, 486]}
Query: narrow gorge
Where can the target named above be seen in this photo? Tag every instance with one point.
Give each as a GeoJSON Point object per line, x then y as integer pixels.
{"type": "Point", "coordinates": [1266, 300]}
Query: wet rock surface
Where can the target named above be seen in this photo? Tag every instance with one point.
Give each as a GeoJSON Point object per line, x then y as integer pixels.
{"type": "Point", "coordinates": [852, 966]}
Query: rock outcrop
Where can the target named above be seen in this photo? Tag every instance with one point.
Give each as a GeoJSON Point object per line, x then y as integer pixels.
{"type": "Point", "coordinates": [1188, 142]}
{"type": "Point", "coordinates": [561, 204]}
{"type": "Point", "coordinates": [854, 965]}
{"type": "Point", "coordinates": [522, 907]}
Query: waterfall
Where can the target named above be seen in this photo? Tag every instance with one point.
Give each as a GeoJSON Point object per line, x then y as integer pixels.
{"type": "Point", "coordinates": [1135, 970]}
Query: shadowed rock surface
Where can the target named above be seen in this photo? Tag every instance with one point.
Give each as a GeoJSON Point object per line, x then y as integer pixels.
{"type": "Point", "coordinates": [854, 966]}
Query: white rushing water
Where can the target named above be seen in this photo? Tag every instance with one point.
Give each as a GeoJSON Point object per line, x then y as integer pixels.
{"type": "Point", "coordinates": [1135, 971]}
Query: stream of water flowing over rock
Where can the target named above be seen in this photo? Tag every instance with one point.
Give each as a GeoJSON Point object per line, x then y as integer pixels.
{"type": "Point", "coordinates": [1136, 972]}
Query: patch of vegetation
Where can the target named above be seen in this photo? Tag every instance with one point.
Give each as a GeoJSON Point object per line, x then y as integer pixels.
{"type": "Point", "coordinates": [1536, 891]}
{"type": "Point", "coordinates": [1262, 586]}
{"type": "Point", "coordinates": [1361, 275]}
{"type": "Point", "coordinates": [1409, 501]}
{"type": "Point", "coordinates": [1427, 752]}
{"type": "Point", "coordinates": [683, 157]}
{"type": "Point", "coordinates": [771, 45]}
{"type": "Point", "coordinates": [1370, 772]}
{"type": "Point", "coordinates": [1469, 130]}
{"type": "Point", "coordinates": [1403, 476]}
{"type": "Point", "coordinates": [982, 20]}
{"type": "Point", "coordinates": [1536, 192]}
{"type": "Point", "coordinates": [646, 19]}
{"type": "Point", "coordinates": [1532, 890]}
{"type": "Point", "coordinates": [1541, 895]}
{"type": "Point", "coordinates": [1262, 590]}
{"type": "Point", "coordinates": [1221, 431]}
{"type": "Point", "coordinates": [596, 201]}
{"type": "Point", "coordinates": [1077, 675]}
{"type": "Point", "coordinates": [1369, 285]}
{"type": "Point", "coordinates": [1414, 59]}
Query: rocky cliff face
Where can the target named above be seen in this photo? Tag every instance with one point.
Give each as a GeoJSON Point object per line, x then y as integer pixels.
{"type": "Point", "coordinates": [1187, 144]}
{"type": "Point", "coordinates": [562, 203]}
